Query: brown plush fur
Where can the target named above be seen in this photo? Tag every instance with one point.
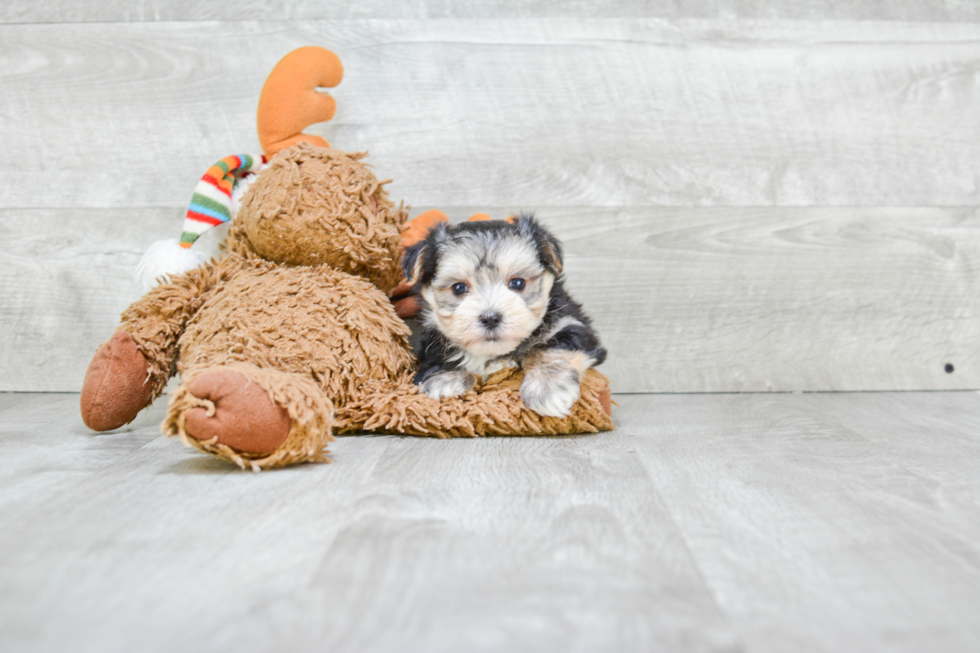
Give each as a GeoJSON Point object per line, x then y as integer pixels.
{"type": "Point", "coordinates": [309, 409]}
{"type": "Point", "coordinates": [300, 308]}
{"type": "Point", "coordinates": [336, 328]}
{"type": "Point", "coordinates": [316, 206]}
{"type": "Point", "coordinates": [493, 407]}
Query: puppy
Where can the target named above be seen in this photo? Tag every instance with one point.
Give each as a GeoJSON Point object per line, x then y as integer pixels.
{"type": "Point", "coordinates": [493, 298]}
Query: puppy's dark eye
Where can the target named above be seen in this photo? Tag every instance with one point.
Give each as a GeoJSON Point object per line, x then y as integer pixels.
{"type": "Point", "coordinates": [516, 284]}
{"type": "Point", "coordinates": [459, 289]}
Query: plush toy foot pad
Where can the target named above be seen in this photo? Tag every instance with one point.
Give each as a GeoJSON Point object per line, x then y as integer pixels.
{"type": "Point", "coordinates": [244, 417]}
{"type": "Point", "coordinates": [258, 418]}
{"type": "Point", "coordinates": [115, 387]}
{"type": "Point", "coordinates": [605, 399]}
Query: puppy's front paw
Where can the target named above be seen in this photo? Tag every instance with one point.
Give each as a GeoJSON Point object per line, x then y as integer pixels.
{"type": "Point", "coordinates": [551, 394]}
{"type": "Point", "coordinates": [450, 383]}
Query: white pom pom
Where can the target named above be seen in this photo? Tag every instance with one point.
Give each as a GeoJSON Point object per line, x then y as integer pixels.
{"type": "Point", "coordinates": [242, 184]}
{"type": "Point", "coordinates": [163, 259]}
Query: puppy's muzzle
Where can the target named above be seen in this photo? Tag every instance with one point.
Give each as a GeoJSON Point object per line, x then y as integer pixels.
{"type": "Point", "coordinates": [491, 320]}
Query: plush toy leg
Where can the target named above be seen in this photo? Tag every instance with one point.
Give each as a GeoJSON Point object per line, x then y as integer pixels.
{"type": "Point", "coordinates": [494, 407]}
{"type": "Point", "coordinates": [257, 418]}
{"type": "Point", "coordinates": [116, 384]}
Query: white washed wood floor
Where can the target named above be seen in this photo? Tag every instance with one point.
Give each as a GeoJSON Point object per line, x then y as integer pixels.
{"type": "Point", "coordinates": [753, 522]}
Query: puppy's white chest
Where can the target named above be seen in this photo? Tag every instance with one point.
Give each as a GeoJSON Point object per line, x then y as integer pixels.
{"type": "Point", "coordinates": [483, 365]}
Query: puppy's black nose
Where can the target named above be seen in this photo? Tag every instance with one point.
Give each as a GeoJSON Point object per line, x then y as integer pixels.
{"type": "Point", "coordinates": [490, 320]}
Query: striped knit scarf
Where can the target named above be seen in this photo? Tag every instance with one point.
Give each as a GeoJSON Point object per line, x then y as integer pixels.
{"type": "Point", "coordinates": [211, 203]}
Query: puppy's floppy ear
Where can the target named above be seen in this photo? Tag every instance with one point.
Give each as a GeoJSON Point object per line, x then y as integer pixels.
{"type": "Point", "coordinates": [549, 249]}
{"type": "Point", "coordinates": [413, 260]}
{"type": "Point", "coordinates": [419, 260]}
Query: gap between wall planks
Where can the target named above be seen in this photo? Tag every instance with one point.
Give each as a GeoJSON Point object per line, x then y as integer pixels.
{"type": "Point", "coordinates": [685, 299]}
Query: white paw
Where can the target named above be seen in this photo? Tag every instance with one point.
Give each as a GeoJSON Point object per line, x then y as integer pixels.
{"type": "Point", "coordinates": [550, 394]}
{"type": "Point", "coordinates": [450, 383]}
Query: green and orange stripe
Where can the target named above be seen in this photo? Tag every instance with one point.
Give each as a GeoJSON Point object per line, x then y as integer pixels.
{"type": "Point", "coordinates": [211, 203]}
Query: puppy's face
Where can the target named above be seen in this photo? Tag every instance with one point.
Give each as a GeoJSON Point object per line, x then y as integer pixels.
{"type": "Point", "coordinates": [486, 284]}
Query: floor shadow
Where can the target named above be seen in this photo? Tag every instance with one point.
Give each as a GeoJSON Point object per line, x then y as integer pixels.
{"type": "Point", "coordinates": [202, 464]}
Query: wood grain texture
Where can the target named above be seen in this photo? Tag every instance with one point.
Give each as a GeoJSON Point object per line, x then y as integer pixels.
{"type": "Point", "coordinates": [756, 523]}
{"type": "Point", "coordinates": [64, 281]}
{"type": "Point", "coordinates": [401, 544]}
{"type": "Point", "coordinates": [722, 300]}
{"type": "Point", "coordinates": [63, 11]}
{"type": "Point", "coordinates": [826, 522]}
{"type": "Point", "coordinates": [545, 112]}
{"type": "Point", "coordinates": [685, 300]}
{"type": "Point", "coordinates": [47, 451]}
{"type": "Point", "coordinates": [108, 128]}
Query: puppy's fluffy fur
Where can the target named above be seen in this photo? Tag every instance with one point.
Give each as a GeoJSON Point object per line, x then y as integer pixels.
{"type": "Point", "coordinates": [493, 298]}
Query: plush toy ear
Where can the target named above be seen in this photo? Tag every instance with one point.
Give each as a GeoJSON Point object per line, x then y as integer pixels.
{"type": "Point", "coordinates": [549, 249]}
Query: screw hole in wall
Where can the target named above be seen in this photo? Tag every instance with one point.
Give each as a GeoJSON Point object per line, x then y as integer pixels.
{"type": "Point", "coordinates": [949, 368]}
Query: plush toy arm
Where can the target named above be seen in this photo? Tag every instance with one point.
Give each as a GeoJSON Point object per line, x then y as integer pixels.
{"type": "Point", "coordinates": [157, 320]}
{"type": "Point", "coordinates": [131, 370]}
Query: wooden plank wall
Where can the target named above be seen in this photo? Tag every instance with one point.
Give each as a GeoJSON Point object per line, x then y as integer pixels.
{"type": "Point", "coordinates": [752, 197]}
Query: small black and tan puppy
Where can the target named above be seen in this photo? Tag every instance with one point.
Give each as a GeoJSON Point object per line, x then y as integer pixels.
{"type": "Point", "coordinates": [493, 298]}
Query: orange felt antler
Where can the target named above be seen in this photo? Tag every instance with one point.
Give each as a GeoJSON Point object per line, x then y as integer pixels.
{"type": "Point", "coordinates": [418, 227]}
{"type": "Point", "coordinates": [289, 101]}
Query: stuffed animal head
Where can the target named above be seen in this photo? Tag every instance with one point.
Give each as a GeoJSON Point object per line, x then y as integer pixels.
{"type": "Point", "coordinates": [314, 206]}
{"type": "Point", "coordinates": [300, 203]}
